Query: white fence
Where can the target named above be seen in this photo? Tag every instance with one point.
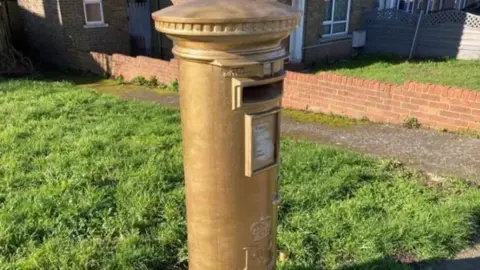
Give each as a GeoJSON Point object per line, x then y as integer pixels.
{"type": "Point", "coordinates": [451, 33]}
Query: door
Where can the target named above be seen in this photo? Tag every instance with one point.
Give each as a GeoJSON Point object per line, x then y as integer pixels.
{"type": "Point", "coordinates": [140, 25]}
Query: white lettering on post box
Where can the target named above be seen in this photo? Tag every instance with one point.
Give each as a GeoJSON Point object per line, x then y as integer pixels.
{"type": "Point", "coordinates": [263, 141]}
{"type": "Point", "coordinates": [264, 147]}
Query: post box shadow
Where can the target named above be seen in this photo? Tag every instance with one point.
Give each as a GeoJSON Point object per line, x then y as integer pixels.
{"type": "Point", "coordinates": [391, 264]}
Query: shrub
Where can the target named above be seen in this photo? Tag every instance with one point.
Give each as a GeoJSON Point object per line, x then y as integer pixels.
{"type": "Point", "coordinates": [174, 86]}
{"type": "Point", "coordinates": [153, 82]}
{"type": "Point", "coordinates": [411, 123]}
{"type": "Point", "coordinates": [139, 80]}
{"type": "Point", "coordinates": [120, 79]}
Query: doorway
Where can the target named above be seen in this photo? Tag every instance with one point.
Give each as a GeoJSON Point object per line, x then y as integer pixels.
{"type": "Point", "coordinates": [140, 25]}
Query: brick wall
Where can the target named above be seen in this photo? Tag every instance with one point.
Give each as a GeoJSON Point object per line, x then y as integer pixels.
{"type": "Point", "coordinates": [131, 67]}
{"type": "Point", "coordinates": [112, 39]}
{"type": "Point", "coordinates": [55, 32]}
{"type": "Point", "coordinates": [126, 66]}
{"type": "Point", "coordinates": [433, 105]}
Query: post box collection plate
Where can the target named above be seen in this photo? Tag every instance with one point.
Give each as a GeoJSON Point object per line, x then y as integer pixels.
{"type": "Point", "coordinates": [261, 141]}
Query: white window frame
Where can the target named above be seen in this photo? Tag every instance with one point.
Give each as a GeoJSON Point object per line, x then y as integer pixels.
{"type": "Point", "coordinates": [332, 22]}
{"type": "Point", "coordinates": [93, 23]}
{"type": "Point", "coordinates": [388, 4]}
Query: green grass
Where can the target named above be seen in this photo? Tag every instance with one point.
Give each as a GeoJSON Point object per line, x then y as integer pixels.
{"type": "Point", "coordinates": [332, 120]}
{"type": "Point", "coordinates": [89, 181]}
{"type": "Point", "coordinates": [104, 84]}
{"type": "Point", "coordinates": [394, 69]}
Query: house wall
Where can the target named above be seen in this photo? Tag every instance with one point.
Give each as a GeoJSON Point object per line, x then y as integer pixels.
{"type": "Point", "coordinates": [55, 32]}
{"type": "Point", "coordinates": [43, 29]}
{"type": "Point", "coordinates": [112, 39]}
{"type": "Point", "coordinates": [318, 49]}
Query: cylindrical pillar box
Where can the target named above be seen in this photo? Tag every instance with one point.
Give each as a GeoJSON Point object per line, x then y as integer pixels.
{"type": "Point", "coordinates": [231, 83]}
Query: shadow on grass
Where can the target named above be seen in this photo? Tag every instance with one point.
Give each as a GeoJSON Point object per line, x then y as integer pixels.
{"type": "Point", "coordinates": [468, 259]}
{"type": "Point", "coordinates": [50, 73]}
{"type": "Point", "coordinates": [391, 264]}
{"type": "Point", "coordinates": [461, 264]}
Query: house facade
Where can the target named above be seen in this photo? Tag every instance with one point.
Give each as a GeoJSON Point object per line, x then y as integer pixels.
{"type": "Point", "coordinates": [326, 31]}
{"type": "Point", "coordinates": [60, 31]}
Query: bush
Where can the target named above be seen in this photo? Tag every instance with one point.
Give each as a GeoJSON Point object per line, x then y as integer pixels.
{"type": "Point", "coordinates": [120, 79]}
{"type": "Point", "coordinates": [139, 80]}
{"type": "Point", "coordinates": [411, 123]}
{"type": "Point", "coordinates": [153, 82]}
{"type": "Point", "coordinates": [174, 86]}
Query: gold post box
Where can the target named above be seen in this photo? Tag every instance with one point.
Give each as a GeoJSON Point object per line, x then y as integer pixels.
{"type": "Point", "coordinates": [231, 81]}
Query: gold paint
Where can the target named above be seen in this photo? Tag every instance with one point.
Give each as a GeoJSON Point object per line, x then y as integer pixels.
{"type": "Point", "coordinates": [261, 229]}
{"type": "Point", "coordinates": [260, 255]}
{"type": "Point", "coordinates": [222, 45]}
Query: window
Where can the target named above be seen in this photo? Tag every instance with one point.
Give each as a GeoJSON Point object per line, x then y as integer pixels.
{"type": "Point", "coordinates": [93, 12]}
{"type": "Point", "coordinates": [385, 4]}
{"type": "Point", "coordinates": [336, 17]}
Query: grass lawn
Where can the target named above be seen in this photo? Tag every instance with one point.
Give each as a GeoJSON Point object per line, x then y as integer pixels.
{"type": "Point", "coordinates": [395, 69]}
{"type": "Point", "coordinates": [88, 181]}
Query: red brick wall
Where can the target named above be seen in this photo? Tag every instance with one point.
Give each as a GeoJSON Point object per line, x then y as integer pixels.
{"type": "Point", "coordinates": [130, 67]}
{"type": "Point", "coordinates": [433, 105]}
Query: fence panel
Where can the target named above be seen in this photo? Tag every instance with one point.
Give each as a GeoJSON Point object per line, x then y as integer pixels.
{"type": "Point", "coordinates": [161, 45]}
{"type": "Point", "coordinates": [390, 31]}
{"type": "Point", "coordinates": [450, 33]}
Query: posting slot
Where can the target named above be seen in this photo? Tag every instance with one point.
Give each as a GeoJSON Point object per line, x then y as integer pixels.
{"type": "Point", "coordinates": [251, 91]}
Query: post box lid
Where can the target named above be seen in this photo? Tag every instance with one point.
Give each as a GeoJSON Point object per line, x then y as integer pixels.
{"type": "Point", "coordinates": [226, 17]}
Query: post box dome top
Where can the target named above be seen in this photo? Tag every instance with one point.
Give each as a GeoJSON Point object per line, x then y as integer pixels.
{"type": "Point", "coordinates": [226, 18]}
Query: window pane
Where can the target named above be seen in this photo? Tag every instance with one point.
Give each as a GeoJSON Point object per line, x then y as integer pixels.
{"type": "Point", "coordinates": [94, 12]}
{"type": "Point", "coordinates": [383, 4]}
{"type": "Point", "coordinates": [341, 7]}
{"type": "Point", "coordinates": [328, 10]}
{"type": "Point", "coordinates": [339, 28]}
{"type": "Point", "coordinates": [327, 29]}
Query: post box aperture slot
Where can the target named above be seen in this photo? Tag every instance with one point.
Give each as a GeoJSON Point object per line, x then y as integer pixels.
{"type": "Point", "coordinates": [261, 93]}
{"type": "Point", "coordinates": [247, 91]}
